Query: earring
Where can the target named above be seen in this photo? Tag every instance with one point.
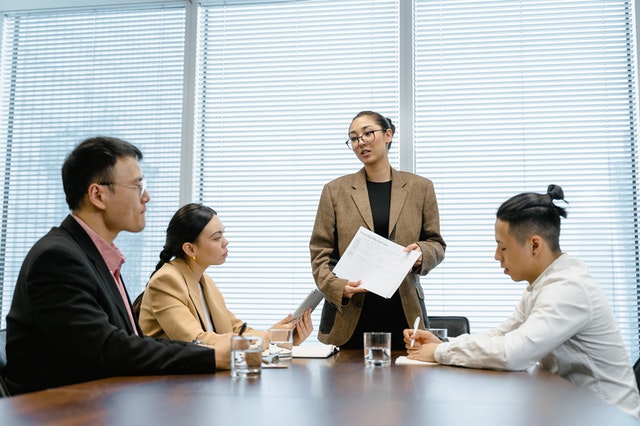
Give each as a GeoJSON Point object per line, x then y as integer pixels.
{"type": "Point", "coordinates": [193, 258]}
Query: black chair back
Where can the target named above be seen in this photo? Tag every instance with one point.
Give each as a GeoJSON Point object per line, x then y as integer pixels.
{"type": "Point", "coordinates": [137, 304]}
{"type": "Point", "coordinates": [4, 391]}
{"type": "Point", "coordinates": [455, 325]}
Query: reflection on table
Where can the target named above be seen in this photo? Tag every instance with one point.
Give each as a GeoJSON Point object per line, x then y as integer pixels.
{"type": "Point", "coordinates": [338, 390]}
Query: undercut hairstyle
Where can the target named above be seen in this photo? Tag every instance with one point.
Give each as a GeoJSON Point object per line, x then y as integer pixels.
{"type": "Point", "coordinates": [184, 227]}
{"type": "Point", "coordinates": [531, 213]}
{"type": "Point", "coordinates": [92, 161]}
{"type": "Point", "coordinates": [382, 121]}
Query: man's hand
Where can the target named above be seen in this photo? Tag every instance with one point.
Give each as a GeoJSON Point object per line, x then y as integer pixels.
{"type": "Point", "coordinates": [424, 346]}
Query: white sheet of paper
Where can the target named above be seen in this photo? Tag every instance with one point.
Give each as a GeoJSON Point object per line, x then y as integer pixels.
{"type": "Point", "coordinates": [381, 264]}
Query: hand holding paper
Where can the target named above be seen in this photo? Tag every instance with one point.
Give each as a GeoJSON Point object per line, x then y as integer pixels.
{"type": "Point", "coordinates": [379, 263]}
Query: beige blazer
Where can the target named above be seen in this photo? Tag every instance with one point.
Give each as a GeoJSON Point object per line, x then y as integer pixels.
{"type": "Point", "coordinates": [343, 208]}
{"type": "Point", "coordinates": [172, 307]}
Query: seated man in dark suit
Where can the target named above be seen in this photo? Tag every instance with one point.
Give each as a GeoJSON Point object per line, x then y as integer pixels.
{"type": "Point", "coordinates": [70, 319]}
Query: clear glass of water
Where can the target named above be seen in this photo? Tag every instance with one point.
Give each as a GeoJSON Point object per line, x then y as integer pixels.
{"type": "Point", "coordinates": [440, 333]}
{"type": "Point", "coordinates": [377, 349]}
{"type": "Point", "coordinates": [246, 356]}
{"type": "Point", "coordinates": [281, 343]}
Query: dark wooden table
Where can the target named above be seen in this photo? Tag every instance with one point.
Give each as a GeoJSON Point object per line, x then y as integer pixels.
{"type": "Point", "coordinates": [336, 391]}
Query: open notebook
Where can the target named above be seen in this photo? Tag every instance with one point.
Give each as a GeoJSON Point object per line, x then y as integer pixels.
{"type": "Point", "coordinates": [314, 351]}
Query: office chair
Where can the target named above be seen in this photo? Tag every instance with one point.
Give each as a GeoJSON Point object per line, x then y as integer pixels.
{"type": "Point", "coordinates": [4, 391]}
{"type": "Point", "coordinates": [455, 325]}
{"type": "Point", "coordinates": [137, 305]}
{"type": "Point", "coordinates": [636, 369]}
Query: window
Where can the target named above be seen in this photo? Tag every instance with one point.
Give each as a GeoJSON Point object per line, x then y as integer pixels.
{"type": "Point", "coordinates": [68, 75]}
{"type": "Point", "coordinates": [512, 98]}
{"type": "Point", "coordinates": [267, 146]}
{"type": "Point", "coordinates": [506, 97]}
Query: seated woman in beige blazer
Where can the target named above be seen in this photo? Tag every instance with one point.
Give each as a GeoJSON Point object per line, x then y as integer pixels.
{"type": "Point", "coordinates": [181, 302]}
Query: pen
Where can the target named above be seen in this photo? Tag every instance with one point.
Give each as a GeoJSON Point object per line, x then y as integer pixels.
{"type": "Point", "coordinates": [415, 329]}
{"type": "Point", "coordinates": [242, 329]}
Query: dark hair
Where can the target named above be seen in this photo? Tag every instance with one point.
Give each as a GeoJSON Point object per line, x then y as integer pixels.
{"type": "Point", "coordinates": [532, 213]}
{"type": "Point", "coordinates": [384, 122]}
{"type": "Point", "coordinates": [92, 161]}
{"type": "Point", "coordinates": [184, 227]}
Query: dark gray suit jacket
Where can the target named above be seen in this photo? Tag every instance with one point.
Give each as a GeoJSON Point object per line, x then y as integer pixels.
{"type": "Point", "coordinates": [68, 322]}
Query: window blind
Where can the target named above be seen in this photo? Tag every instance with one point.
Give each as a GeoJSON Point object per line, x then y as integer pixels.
{"type": "Point", "coordinates": [72, 74]}
{"type": "Point", "coordinates": [511, 97]}
{"type": "Point", "coordinates": [278, 86]}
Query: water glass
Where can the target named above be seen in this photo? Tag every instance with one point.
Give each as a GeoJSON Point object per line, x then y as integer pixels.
{"type": "Point", "coordinates": [377, 349]}
{"type": "Point", "coordinates": [281, 343]}
{"type": "Point", "coordinates": [440, 333]}
{"type": "Point", "coordinates": [246, 356]}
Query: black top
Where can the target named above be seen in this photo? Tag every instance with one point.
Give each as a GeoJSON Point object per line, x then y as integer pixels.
{"type": "Point", "coordinates": [379, 313]}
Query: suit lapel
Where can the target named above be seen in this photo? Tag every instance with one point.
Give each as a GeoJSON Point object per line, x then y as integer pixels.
{"type": "Point", "coordinates": [360, 197]}
{"type": "Point", "coordinates": [193, 286]}
{"type": "Point", "coordinates": [219, 315]}
{"type": "Point", "coordinates": [398, 197]}
{"type": "Point", "coordinates": [125, 313]}
{"type": "Point", "coordinates": [107, 281]}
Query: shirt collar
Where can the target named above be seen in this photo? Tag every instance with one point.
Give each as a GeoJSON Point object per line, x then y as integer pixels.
{"type": "Point", "coordinates": [111, 255]}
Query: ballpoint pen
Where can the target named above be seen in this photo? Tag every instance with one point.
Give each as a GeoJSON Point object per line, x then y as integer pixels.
{"type": "Point", "coordinates": [242, 329]}
{"type": "Point", "coordinates": [415, 329]}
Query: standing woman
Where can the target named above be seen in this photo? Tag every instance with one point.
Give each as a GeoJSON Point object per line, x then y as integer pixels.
{"type": "Point", "coordinates": [181, 302]}
{"type": "Point", "coordinates": [399, 206]}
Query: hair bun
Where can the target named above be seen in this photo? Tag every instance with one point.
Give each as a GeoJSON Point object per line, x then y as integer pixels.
{"type": "Point", "coordinates": [555, 192]}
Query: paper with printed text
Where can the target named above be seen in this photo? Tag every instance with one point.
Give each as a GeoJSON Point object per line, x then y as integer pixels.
{"type": "Point", "coordinates": [381, 264]}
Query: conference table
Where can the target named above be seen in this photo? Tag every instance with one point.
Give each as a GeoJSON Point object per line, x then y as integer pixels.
{"type": "Point", "coordinates": [339, 390]}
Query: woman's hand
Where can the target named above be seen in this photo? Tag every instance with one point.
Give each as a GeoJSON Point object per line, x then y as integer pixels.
{"type": "Point", "coordinates": [352, 288]}
{"type": "Point", "coordinates": [416, 247]}
{"type": "Point", "coordinates": [302, 326]}
{"type": "Point", "coordinates": [285, 322]}
{"type": "Point", "coordinates": [222, 350]}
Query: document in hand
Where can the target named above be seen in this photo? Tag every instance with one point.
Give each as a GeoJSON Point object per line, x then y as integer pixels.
{"type": "Point", "coordinates": [381, 264]}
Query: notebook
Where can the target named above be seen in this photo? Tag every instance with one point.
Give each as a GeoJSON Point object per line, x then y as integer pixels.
{"type": "Point", "coordinates": [314, 351]}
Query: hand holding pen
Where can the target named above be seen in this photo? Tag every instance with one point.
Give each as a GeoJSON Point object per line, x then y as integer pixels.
{"type": "Point", "coordinates": [415, 330]}
{"type": "Point", "coordinates": [243, 328]}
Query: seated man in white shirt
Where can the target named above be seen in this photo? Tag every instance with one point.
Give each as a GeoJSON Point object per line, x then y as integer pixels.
{"type": "Point", "coordinates": [563, 320]}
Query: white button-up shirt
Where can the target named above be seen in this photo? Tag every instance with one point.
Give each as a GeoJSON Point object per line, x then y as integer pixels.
{"type": "Point", "coordinates": [563, 321]}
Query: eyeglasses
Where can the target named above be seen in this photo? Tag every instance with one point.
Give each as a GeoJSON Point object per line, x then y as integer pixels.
{"type": "Point", "coordinates": [142, 186]}
{"type": "Point", "coordinates": [367, 138]}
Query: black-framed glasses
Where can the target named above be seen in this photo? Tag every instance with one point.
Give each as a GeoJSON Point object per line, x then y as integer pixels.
{"type": "Point", "coordinates": [142, 186]}
{"type": "Point", "coordinates": [367, 138]}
